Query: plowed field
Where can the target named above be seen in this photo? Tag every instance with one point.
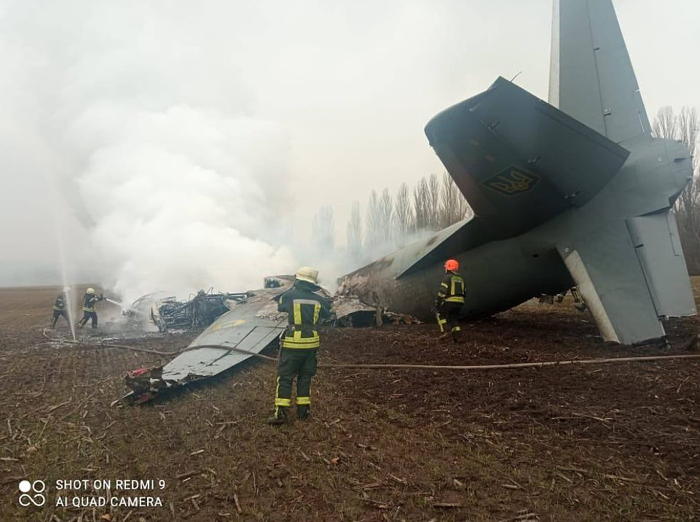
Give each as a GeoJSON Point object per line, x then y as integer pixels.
{"type": "Point", "coordinates": [608, 442]}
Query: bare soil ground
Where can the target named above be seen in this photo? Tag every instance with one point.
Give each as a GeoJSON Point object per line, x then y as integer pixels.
{"type": "Point", "coordinates": [610, 442]}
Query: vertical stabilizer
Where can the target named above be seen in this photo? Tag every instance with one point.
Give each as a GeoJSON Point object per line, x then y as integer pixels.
{"type": "Point", "coordinates": [591, 75]}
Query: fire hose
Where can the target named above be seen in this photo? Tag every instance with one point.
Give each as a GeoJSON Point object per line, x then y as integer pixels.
{"type": "Point", "coordinates": [467, 367]}
{"type": "Point", "coordinates": [541, 364]}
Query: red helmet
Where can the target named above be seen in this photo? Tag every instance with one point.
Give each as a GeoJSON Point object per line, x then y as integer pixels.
{"type": "Point", "coordinates": [451, 265]}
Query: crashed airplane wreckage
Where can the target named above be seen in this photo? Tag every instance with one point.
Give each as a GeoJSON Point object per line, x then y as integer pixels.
{"type": "Point", "coordinates": [251, 324]}
{"type": "Point", "coordinates": [575, 192]}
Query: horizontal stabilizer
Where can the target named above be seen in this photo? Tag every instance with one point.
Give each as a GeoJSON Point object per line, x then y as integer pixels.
{"type": "Point", "coordinates": [518, 160]}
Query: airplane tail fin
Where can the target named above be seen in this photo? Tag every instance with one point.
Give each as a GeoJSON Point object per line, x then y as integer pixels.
{"type": "Point", "coordinates": [591, 75]}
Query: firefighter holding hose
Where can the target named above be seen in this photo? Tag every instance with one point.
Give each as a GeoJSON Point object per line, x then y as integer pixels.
{"type": "Point", "coordinates": [299, 344]}
{"type": "Point", "coordinates": [90, 299]}
{"type": "Point", "coordinates": [59, 307]}
{"type": "Point", "coordinates": [450, 299]}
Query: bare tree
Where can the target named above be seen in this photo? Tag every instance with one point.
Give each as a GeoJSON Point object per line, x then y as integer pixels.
{"type": "Point", "coordinates": [421, 199]}
{"type": "Point", "coordinates": [433, 202]}
{"type": "Point", "coordinates": [463, 208]}
{"type": "Point", "coordinates": [664, 125]}
{"type": "Point", "coordinates": [449, 202]}
{"type": "Point", "coordinates": [403, 214]}
{"type": "Point", "coordinates": [685, 127]}
{"type": "Point", "coordinates": [323, 229]}
{"type": "Point", "coordinates": [386, 213]}
{"type": "Point", "coordinates": [354, 232]}
{"type": "Point", "coordinates": [374, 219]}
{"type": "Point", "coordinates": [453, 206]}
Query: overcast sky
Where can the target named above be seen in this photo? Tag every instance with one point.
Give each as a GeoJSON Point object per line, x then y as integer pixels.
{"type": "Point", "coordinates": [339, 92]}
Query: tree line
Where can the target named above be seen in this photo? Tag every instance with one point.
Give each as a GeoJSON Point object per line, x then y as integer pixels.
{"type": "Point", "coordinates": [431, 204]}
{"type": "Point", "coordinates": [392, 220]}
{"type": "Point", "coordinates": [684, 126]}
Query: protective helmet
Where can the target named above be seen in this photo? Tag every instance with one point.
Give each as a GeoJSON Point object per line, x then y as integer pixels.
{"type": "Point", "coordinates": [451, 265]}
{"type": "Point", "coordinates": [90, 291]}
{"type": "Point", "coordinates": [66, 289]}
{"type": "Point", "coordinates": [308, 274]}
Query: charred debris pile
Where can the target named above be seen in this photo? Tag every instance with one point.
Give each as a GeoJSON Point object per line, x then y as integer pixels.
{"type": "Point", "coordinates": [169, 314]}
{"type": "Point", "coordinates": [199, 312]}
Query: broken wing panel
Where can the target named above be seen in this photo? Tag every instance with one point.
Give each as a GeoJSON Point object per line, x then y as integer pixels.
{"type": "Point", "coordinates": [250, 326]}
{"type": "Point", "coordinates": [206, 362]}
{"type": "Point", "coordinates": [591, 75]}
{"type": "Point", "coordinates": [610, 278]}
{"type": "Point", "coordinates": [658, 247]}
{"type": "Point", "coordinates": [518, 160]}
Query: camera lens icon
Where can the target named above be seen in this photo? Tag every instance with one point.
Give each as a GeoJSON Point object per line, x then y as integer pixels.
{"type": "Point", "coordinates": [37, 487]}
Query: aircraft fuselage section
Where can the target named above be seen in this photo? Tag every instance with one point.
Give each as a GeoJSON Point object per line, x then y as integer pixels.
{"type": "Point", "coordinates": [498, 276]}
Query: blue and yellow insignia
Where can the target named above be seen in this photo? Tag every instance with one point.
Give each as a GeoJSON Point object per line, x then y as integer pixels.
{"type": "Point", "coordinates": [512, 181]}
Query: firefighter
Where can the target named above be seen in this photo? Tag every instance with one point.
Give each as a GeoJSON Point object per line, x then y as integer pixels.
{"type": "Point", "coordinates": [450, 299]}
{"type": "Point", "coordinates": [90, 299]}
{"type": "Point", "coordinates": [59, 307]}
{"type": "Point", "coordinates": [299, 344]}
{"type": "Point", "coordinates": [578, 300]}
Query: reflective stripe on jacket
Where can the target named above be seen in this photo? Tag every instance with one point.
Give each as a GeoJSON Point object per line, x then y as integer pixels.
{"type": "Point", "coordinates": [304, 309]}
{"type": "Point", "coordinates": [452, 288]}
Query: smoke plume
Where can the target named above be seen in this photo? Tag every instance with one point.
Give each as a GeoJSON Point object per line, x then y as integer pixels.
{"type": "Point", "coordinates": [176, 182]}
{"type": "Point", "coordinates": [180, 200]}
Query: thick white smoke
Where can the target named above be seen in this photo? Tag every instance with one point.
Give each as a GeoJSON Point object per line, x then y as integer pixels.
{"type": "Point", "coordinates": [181, 199]}
{"type": "Point", "coordinates": [156, 144]}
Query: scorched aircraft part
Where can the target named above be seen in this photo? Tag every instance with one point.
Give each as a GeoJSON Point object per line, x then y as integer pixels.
{"type": "Point", "coordinates": [250, 326]}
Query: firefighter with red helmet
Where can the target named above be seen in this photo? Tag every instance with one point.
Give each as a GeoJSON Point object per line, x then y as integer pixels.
{"type": "Point", "coordinates": [450, 299]}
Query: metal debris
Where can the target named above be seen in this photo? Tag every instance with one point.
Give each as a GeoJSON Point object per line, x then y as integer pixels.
{"type": "Point", "coordinates": [198, 312]}
{"type": "Point", "coordinates": [251, 325]}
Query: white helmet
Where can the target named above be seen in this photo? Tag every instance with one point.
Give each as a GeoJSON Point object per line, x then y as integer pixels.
{"type": "Point", "coordinates": [90, 291]}
{"type": "Point", "coordinates": [66, 289]}
{"type": "Point", "coordinates": [308, 274]}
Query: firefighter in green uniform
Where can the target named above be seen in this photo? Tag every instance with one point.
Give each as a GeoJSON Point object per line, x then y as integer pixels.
{"type": "Point", "coordinates": [90, 299]}
{"type": "Point", "coordinates": [450, 299]}
{"type": "Point", "coordinates": [299, 344]}
{"type": "Point", "coordinates": [59, 308]}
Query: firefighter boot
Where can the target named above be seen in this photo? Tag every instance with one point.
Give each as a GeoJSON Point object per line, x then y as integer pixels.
{"type": "Point", "coordinates": [279, 417]}
{"type": "Point", "coordinates": [303, 412]}
{"type": "Point", "coordinates": [456, 334]}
